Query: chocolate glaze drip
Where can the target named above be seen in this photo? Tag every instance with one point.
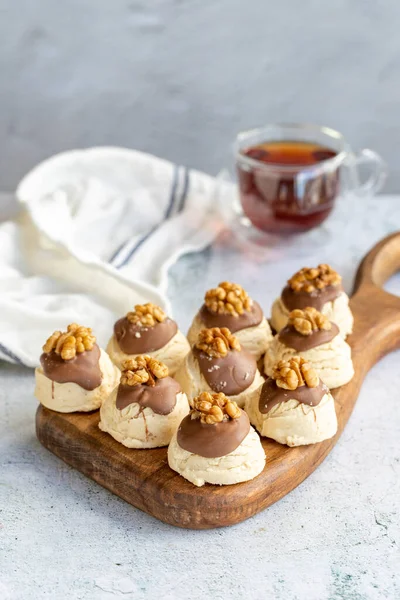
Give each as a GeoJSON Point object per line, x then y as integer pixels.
{"type": "Point", "coordinates": [231, 374]}
{"type": "Point", "coordinates": [138, 339]}
{"type": "Point", "coordinates": [316, 299]}
{"type": "Point", "coordinates": [83, 370]}
{"type": "Point", "coordinates": [212, 441]}
{"type": "Point", "coordinates": [249, 318]}
{"type": "Point", "coordinates": [161, 398]}
{"type": "Point", "coordinates": [271, 395]}
{"type": "Point", "coordinates": [291, 338]}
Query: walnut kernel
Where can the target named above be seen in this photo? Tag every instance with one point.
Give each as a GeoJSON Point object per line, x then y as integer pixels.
{"type": "Point", "coordinates": [308, 280]}
{"type": "Point", "coordinates": [293, 373]}
{"type": "Point", "coordinates": [228, 299]}
{"type": "Point", "coordinates": [74, 341]}
{"type": "Point", "coordinates": [142, 370]}
{"type": "Point", "coordinates": [216, 341]}
{"type": "Point", "coordinates": [146, 315]}
{"type": "Point", "coordinates": [214, 408]}
{"type": "Point", "coordinates": [308, 320]}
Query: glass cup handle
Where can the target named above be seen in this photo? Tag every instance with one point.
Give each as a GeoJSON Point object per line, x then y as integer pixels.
{"type": "Point", "coordinates": [377, 176]}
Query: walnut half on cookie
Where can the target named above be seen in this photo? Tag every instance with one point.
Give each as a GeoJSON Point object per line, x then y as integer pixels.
{"type": "Point", "coordinates": [228, 298]}
{"type": "Point", "coordinates": [293, 373]}
{"type": "Point", "coordinates": [74, 341]}
{"type": "Point", "coordinates": [217, 342]}
{"type": "Point", "coordinates": [214, 408]}
{"type": "Point", "coordinates": [146, 314]}
{"type": "Point", "coordinates": [309, 280]}
{"type": "Point", "coordinates": [308, 320]}
{"type": "Point", "coordinates": [143, 369]}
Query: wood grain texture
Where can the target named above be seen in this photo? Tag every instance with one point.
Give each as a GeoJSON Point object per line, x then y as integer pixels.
{"type": "Point", "coordinates": [143, 478]}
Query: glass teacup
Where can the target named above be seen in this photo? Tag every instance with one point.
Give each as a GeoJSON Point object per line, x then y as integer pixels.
{"type": "Point", "coordinates": [290, 175]}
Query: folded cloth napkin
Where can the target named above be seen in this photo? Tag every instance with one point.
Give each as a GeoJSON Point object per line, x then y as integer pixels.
{"type": "Point", "coordinates": [97, 233]}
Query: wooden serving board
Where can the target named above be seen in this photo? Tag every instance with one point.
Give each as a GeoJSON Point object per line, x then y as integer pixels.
{"type": "Point", "coordinates": [143, 478]}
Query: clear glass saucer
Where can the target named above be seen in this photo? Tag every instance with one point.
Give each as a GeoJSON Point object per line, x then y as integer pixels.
{"type": "Point", "coordinates": [273, 246]}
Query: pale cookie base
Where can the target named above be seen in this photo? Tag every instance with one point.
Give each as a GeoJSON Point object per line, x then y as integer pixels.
{"type": "Point", "coordinates": [295, 424]}
{"type": "Point", "coordinates": [331, 361]}
{"type": "Point", "coordinates": [243, 464]}
{"type": "Point", "coordinates": [70, 397]}
{"type": "Point", "coordinates": [193, 383]}
{"type": "Point", "coordinates": [172, 354]}
{"type": "Point", "coordinates": [337, 311]}
{"type": "Point", "coordinates": [136, 428]}
{"type": "Point", "coordinates": [253, 339]}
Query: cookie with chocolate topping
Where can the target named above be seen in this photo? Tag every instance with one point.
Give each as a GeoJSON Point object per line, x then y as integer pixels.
{"type": "Point", "coordinates": [229, 305]}
{"type": "Point", "coordinates": [148, 330]}
{"type": "Point", "coordinates": [215, 443]}
{"type": "Point", "coordinates": [74, 373]}
{"type": "Point", "coordinates": [319, 288]}
{"type": "Point", "coordinates": [218, 363]}
{"type": "Point", "coordinates": [146, 408]}
{"type": "Point", "coordinates": [293, 406]}
{"type": "Point", "coordinates": [312, 336]}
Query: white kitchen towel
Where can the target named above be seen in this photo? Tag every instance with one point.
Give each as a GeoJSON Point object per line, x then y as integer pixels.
{"type": "Point", "coordinates": [98, 231]}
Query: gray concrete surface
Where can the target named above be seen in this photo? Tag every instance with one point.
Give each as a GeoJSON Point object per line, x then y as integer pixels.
{"type": "Point", "coordinates": [180, 78]}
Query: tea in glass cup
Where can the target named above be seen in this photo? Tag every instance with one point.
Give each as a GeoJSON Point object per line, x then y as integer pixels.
{"type": "Point", "coordinates": [289, 176]}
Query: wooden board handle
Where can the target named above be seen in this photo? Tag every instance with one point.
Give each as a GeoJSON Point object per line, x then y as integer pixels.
{"type": "Point", "coordinates": [377, 328]}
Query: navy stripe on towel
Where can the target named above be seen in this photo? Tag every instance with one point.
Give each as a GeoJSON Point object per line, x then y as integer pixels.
{"type": "Point", "coordinates": [184, 191]}
{"type": "Point", "coordinates": [172, 194]}
{"type": "Point", "coordinates": [166, 216]}
{"type": "Point", "coordinates": [116, 253]}
{"type": "Point", "coordinates": [11, 355]}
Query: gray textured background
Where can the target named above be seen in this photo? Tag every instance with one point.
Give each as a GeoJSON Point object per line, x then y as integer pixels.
{"type": "Point", "coordinates": [179, 78]}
